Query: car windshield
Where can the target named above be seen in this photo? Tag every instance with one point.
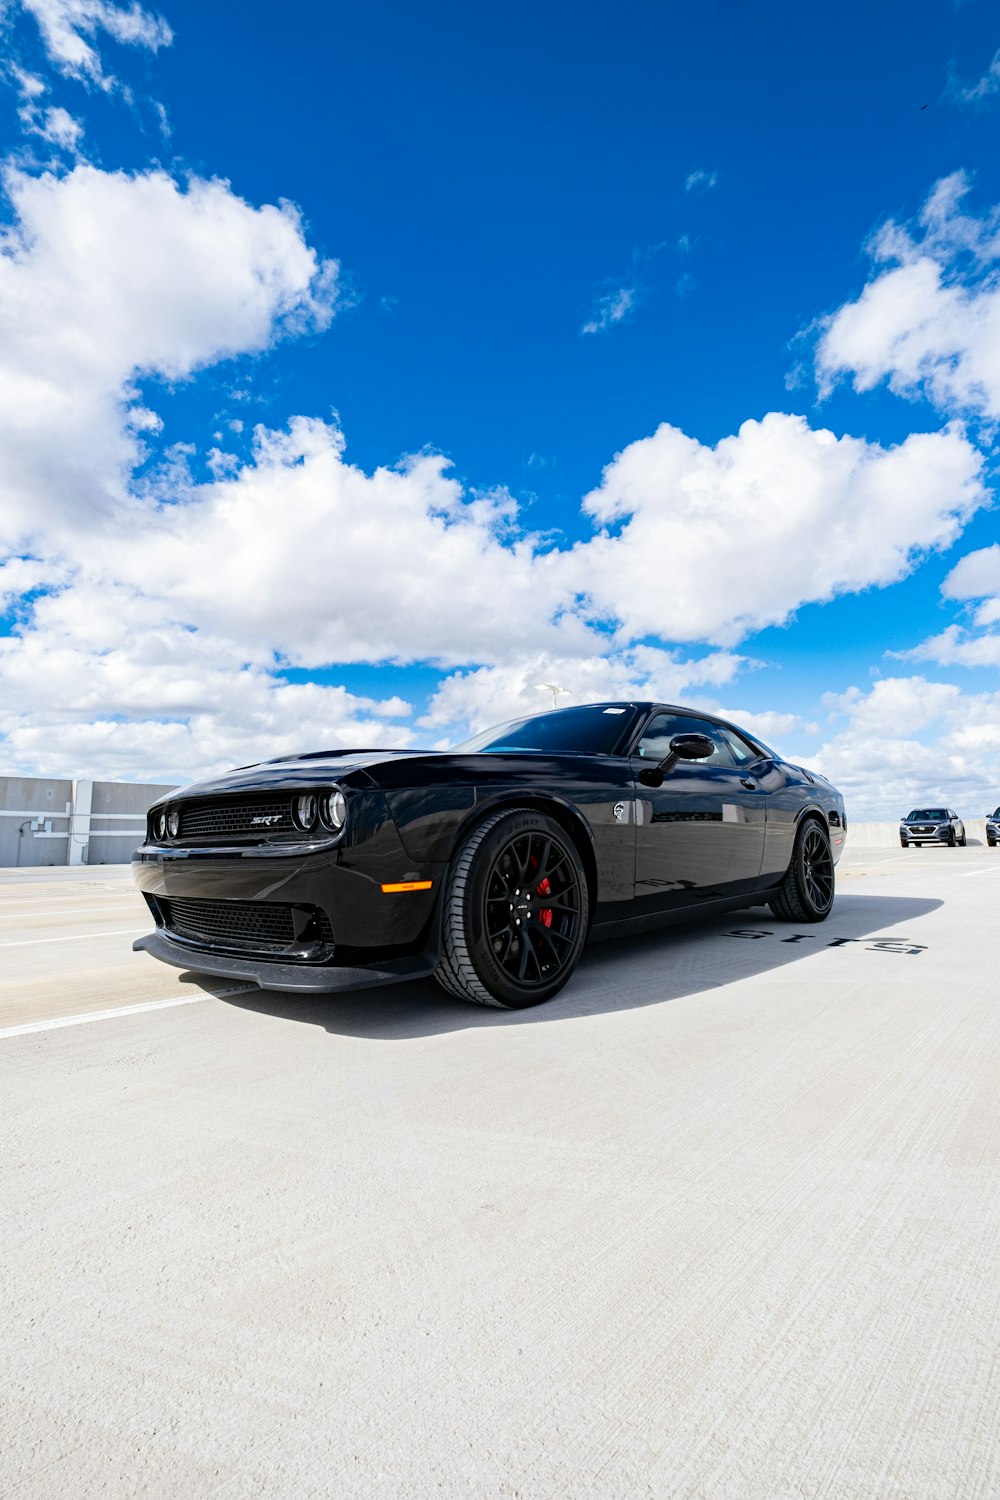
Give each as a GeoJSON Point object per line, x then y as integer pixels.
{"type": "Point", "coordinates": [928, 815]}
{"type": "Point", "coordinates": [596, 729]}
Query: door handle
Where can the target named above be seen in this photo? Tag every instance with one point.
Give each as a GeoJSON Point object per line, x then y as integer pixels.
{"type": "Point", "coordinates": [751, 786]}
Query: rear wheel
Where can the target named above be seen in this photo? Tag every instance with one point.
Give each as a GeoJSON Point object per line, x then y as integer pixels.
{"type": "Point", "coordinates": [806, 894]}
{"type": "Point", "coordinates": [515, 912]}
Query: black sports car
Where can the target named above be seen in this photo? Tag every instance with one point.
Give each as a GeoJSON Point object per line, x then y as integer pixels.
{"type": "Point", "coordinates": [488, 865]}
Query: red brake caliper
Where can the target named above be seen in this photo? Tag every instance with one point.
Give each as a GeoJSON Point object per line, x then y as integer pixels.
{"type": "Point", "coordinates": [544, 912]}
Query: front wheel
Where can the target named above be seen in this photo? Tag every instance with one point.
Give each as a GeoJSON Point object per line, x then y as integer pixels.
{"type": "Point", "coordinates": [806, 893]}
{"type": "Point", "coordinates": [515, 912]}
{"type": "Point", "coordinates": [904, 843]}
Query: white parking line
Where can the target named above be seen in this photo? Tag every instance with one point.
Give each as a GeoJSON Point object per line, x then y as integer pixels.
{"type": "Point", "coordinates": [76, 937]}
{"type": "Point", "coordinates": [64, 911]}
{"type": "Point", "coordinates": [122, 1010]}
{"type": "Point", "coordinates": [989, 870]}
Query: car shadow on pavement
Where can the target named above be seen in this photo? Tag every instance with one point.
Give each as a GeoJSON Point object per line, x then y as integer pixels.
{"type": "Point", "coordinates": [622, 974]}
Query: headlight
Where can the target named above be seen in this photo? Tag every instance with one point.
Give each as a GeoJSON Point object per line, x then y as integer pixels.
{"type": "Point", "coordinates": [333, 810]}
{"type": "Point", "coordinates": [305, 811]}
{"type": "Point", "coordinates": [161, 825]}
{"type": "Point", "coordinates": [173, 822]}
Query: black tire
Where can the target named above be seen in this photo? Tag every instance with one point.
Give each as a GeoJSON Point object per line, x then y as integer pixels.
{"type": "Point", "coordinates": [806, 894]}
{"type": "Point", "coordinates": [992, 843]}
{"type": "Point", "coordinates": [904, 843]}
{"type": "Point", "coordinates": [951, 840]}
{"type": "Point", "coordinates": [504, 941]}
{"type": "Point", "coordinates": [963, 841]}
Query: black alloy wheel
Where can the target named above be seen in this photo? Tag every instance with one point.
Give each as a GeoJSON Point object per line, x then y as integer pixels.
{"type": "Point", "coordinates": [516, 912]}
{"type": "Point", "coordinates": [807, 891]}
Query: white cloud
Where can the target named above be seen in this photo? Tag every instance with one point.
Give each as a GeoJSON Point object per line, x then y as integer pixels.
{"type": "Point", "coordinates": [956, 647]}
{"type": "Point", "coordinates": [904, 705]}
{"type": "Point", "coordinates": [611, 308]}
{"type": "Point", "coordinates": [709, 543]}
{"type": "Point", "coordinates": [109, 682]}
{"type": "Point", "coordinates": [105, 277]}
{"type": "Point", "coordinates": [929, 323]}
{"type": "Point", "coordinates": [55, 125]}
{"type": "Point", "coordinates": [700, 181]}
{"type": "Point", "coordinates": [975, 578]}
{"type": "Point", "coordinates": [345, 566]}
{"type": "Point", "coordinates": [910, 741]}
{"type": "Point", "coordinates": [983, 89]}
{"type": "Point", "coordinates": [66, 25]}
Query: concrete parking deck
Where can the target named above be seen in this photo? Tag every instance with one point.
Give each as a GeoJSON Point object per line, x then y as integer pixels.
{"type": "Point", "coordinates": [719, 1222]}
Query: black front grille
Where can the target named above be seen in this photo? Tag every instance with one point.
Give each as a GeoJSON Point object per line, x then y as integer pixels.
{"type": "Point", "coordinates": [231, 819]}
{"type": "Point", "coordinates": [257, 926]}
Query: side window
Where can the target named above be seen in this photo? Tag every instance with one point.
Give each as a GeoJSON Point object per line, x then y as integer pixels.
{"type": "Point", "coordinates": [655, 742]}
{"type": "Point", "coordinates": [743, 752]}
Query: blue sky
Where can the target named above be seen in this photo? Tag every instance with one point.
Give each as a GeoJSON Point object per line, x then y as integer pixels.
{"type": "Point", "coordinates": [549, 234]}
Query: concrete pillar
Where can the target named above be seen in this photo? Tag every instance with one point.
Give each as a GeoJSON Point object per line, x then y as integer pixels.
{"type": "Point", "coordinates": [79, 826]}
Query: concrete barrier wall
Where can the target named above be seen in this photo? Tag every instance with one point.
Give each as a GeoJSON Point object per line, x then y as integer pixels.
{"type": "Point", "coordinates": [48, 821]}
{"type": "Point", "coordinates": [886, 835]}
{"type": "Point", "coordinates": [101, 822]}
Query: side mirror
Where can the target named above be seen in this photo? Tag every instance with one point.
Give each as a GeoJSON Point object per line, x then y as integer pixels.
{"type": "Point", "coordinates": [691, 746]}
{"type": "Point", "coordinates": [682, 747]}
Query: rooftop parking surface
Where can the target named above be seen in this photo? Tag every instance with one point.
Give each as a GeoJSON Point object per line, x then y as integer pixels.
{"type": "Point", "coordinates": [718, 1222]}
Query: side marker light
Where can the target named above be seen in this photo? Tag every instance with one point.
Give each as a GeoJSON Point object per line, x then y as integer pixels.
{"type": "Point", "coordinates": [407, 885]}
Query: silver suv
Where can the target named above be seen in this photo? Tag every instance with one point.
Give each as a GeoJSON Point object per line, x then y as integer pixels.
{"type": "Point", "coordinates": [993, 828]}
{"type": "Point", "coordinates": [931, 825]}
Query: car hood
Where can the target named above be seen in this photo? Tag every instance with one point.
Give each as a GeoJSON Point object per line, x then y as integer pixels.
{"type": "Point", "coordinates": [290, 772]}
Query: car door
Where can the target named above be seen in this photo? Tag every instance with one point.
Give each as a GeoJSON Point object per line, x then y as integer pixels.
{"type": "Point", "coordinates": [700, 835]}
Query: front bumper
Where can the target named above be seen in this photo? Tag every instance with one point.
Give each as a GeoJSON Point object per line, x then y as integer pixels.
{"type": "Point", "coordinates": [301, 978]}
{"type": "Point", "coordinates": [377, 935]}
{"type": "Point", "coordinates": [915, 836]}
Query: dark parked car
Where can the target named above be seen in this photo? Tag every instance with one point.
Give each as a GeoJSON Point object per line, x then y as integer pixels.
{"type": "Point", "coordinates": [931, 825]}
{"type": "Point", "coordinates": [993, 828]}
{"type": "Point", "coordinates": [488, 865]}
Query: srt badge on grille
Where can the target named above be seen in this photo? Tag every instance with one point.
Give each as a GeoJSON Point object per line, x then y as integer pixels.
{"type": "Point", "coordinates": [271, 818]}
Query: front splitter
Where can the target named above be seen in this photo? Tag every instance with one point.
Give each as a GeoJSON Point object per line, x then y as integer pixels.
{"type": "Point", "coordinates": [294, 977]}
